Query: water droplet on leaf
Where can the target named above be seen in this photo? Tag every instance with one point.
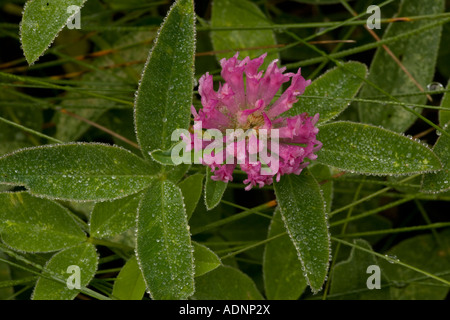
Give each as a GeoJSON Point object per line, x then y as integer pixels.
{"type": "Point", "coordinates": [391, 258]}
{"type": "Point", "coordinates": [435, 86]}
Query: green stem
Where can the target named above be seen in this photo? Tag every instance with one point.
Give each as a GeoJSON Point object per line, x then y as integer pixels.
{"type": "Point", "coordinates": [427, 220]}
{"type": "Point", "coordinates": [418, 196]}
{"type": "Point", "coordinates": [312, 25]}
{"type": "Point", "coordinates": [377, 182]}
{"type": "Point", "coordinates": [369, 46]}
{"type": "Point", "coordinates": [230, 219]}
{"type": "Point", "coordinates": [384, 102]}
{"type": "Point", "coordinates": [12, 283]}
{"type": "Point", "coordinates": [36, 133]}
{"type": "Point", "coordinates": [343, 230]}
{"type": "Point", "coordinates": [374, 211]}
{"type": "Point", "coordinates": [15, 294]}
{"type": "Point", "coordinates": [246, 209]}
{"type": "Point", "coordinates": [231, 254]}
{"type": "Point", "coordinates": [371, 196]}
{"type": "Point", "coordinates": [412, 94]}
{"type": "Point", "coordinates": [66, 88]}
{"type": "Point", "coordinates": [431, 226]}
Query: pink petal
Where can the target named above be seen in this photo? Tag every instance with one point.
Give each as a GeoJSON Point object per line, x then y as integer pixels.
{"type": "Point", "coordinates": [289, 97]}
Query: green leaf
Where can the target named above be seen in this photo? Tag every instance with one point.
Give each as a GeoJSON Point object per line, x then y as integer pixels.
{"type": "Point", "coordinates": [129, 284]}
{"type": "Point", "coordinates": [444, 115]}
{"type": "Point", "coordinates": [76, 171]}
{"type": "Point", "coordinates": [387, 74]}
{"type": "Point", "coordinates": [334, 91]}
{"type": "Point", "coordinates": [53, 284]}
{"type": "Point", "coordinates": [41, 22]}
{"type": "Point", "coordinates": [282, 270]}
{"type": "Point", "coordinates": [191, 188]}
{"type": "Point", "coordinates": [205, 259]}
{"type": "Point", "coordinates": [439, 181]}
{"type": "Point", "coordinates": [163, 248]}
{"type": "Point", "coordinates": [164, 96]}
{"type": "Point", "coordinates": [226, 283]}
{"type": "Point", "coordinates": [241, 13]}
{"type": "Point", "coordinates": [366, 149]}
{"type": "Point", "coordinates": [323, 174]}
{"type": "Point", "coordinates": [349, 278]}
{"type": "Point", "coordinates": [36, 225]}
{"type": "Point", "coordinates": [176, 173]}
{"type": "Point", "coordinates": [214, 190]}
{"type": "Point", "coordinates": [303, 211]}
{"type": "Point", "coordinates": [163, 157]}
{"type": "Point", "coordinates": [110, 218]}
{"type": "Point", "coordinates": [424, 252]}
{"type": "Point", "coordinates": [166, 158]}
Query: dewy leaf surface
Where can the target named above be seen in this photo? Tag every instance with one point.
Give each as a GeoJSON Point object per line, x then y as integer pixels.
{"type": "Point", "coordinates": [439, 181]}
{"type": "Point", "coordinates": [164, 97]}
{"type": "Point", "coordinates": [427, 252]}
{"type": "Point", "coordinates": [129, 284]}
{"type": "Point", "coordinates": [164, 249]}
{"type": "Point", "coordinates": [214, 190]}
{"type": "Point", "coordinates": [77, 171]}
{"type": "Point", "coordinates": [241, 13]}
{"type": "Point", "coordinates": [282, 270]}
{"type": "Point", "coordinates": [303, 212]}
{"type": "Point", "coordinates": [332, 92]}
{"type": "Point", "coordinates": [367, 149]}
{"type": "Point", "coordinates": [191, 188]}
{"type": "Point", "coordinates": [36, 225]}
{"type": "Point", "coordinates": [41, 22]}
{"type": "Point", "coordinates": [350, 277]}
{"type": "Point", "coordinates": [205, 259]}
{"type": "Point", "coordinates": [66, 265]}
{"type": "Point", "coordinates": [417, 53]}
{"type": "Point", "coordinates": [114, 217]}
{"type": "Point", "coordinates": [226, 283]}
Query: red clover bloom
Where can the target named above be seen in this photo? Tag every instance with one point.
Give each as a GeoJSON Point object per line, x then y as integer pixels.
{"type": "Point", "coordinates": [249, 103]}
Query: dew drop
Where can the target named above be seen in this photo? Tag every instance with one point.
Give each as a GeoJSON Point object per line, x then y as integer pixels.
{"type": "Point", "coordinates": [164, 120]}
{"type": "Point", "coordinates": [435, 86]}
{"type": "Point", "coordinates": [391, 258]}
{"type": "Point", "coordinates": [319, 30]}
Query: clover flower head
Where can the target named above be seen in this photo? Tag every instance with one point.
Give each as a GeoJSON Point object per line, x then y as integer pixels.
{"type": "Point", "coordinates": [247, 100]}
